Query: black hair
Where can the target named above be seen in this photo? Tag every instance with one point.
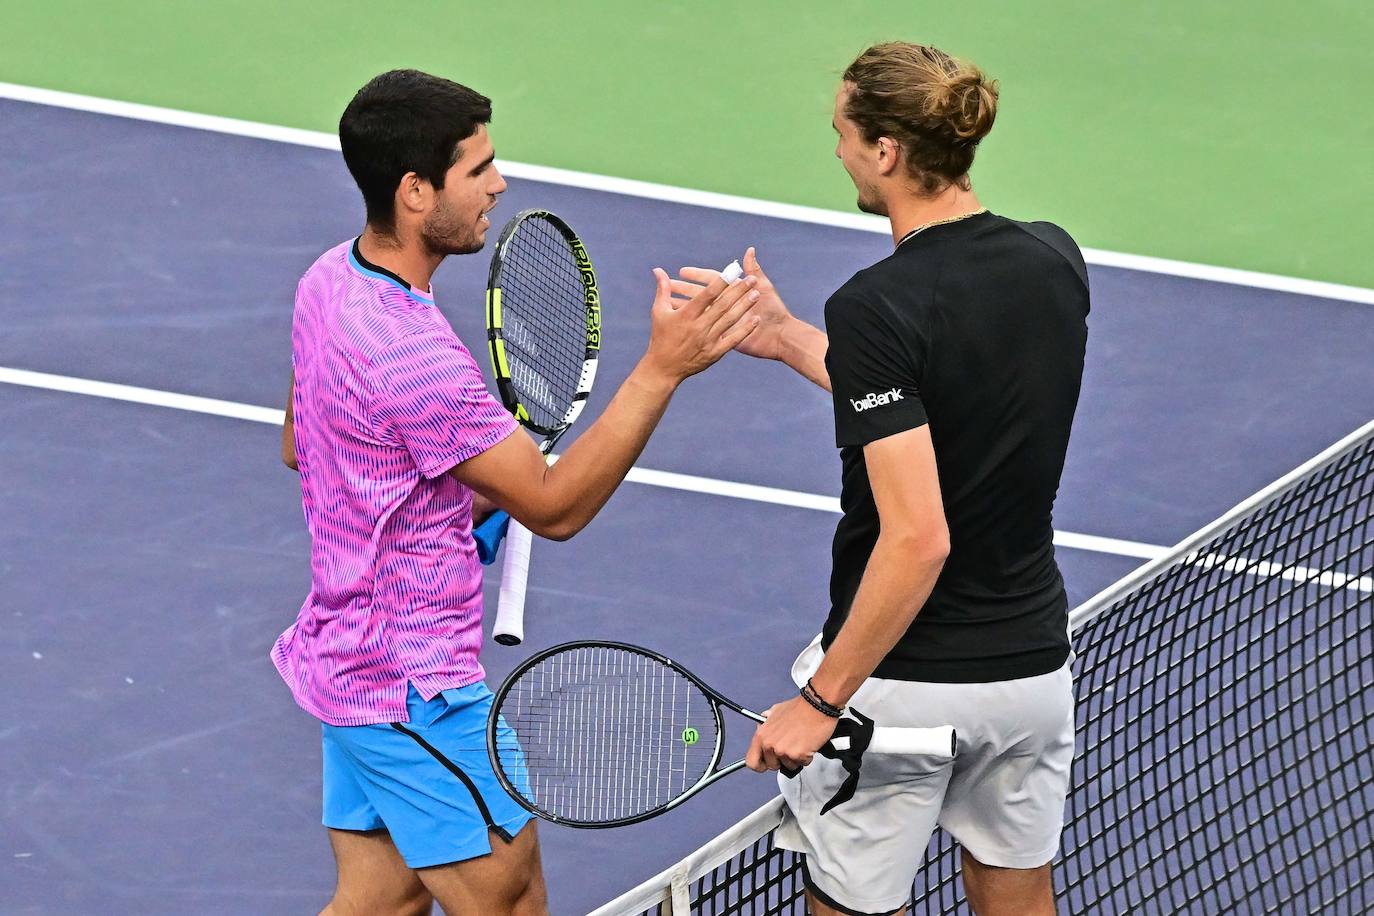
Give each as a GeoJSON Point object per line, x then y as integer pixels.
{"type": "Point", "coordinates": [406, 121]}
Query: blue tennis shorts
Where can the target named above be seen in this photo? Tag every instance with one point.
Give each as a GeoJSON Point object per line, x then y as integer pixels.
{"type": "Point", "coordinates": [428, 782]}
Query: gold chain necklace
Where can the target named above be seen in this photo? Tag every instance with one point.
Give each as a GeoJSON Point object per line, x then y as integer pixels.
{"type": "Point", "coordinates": [940, 222]}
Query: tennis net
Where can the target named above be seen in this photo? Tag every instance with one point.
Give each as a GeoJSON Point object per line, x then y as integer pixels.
{"type": "Point", "coordinates": [1224, 695]}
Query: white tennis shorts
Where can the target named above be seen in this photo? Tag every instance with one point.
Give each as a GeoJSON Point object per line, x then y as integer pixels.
{"type": "Point", "coordinates": [1002, 797]}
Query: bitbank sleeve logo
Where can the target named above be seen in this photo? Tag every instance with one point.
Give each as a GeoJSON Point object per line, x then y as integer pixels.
{"type": "Point", "coordinates": [877, 399]}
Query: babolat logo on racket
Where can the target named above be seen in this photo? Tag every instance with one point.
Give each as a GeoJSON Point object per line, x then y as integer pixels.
{"type": "Point", "coordinates": [876, 399]}
{"type": "Point", "coordinates": [592, 294]}
{"type": "Point", "coordinates": [593, 327]}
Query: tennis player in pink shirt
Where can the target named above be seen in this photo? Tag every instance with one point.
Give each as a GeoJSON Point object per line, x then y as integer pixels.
{"type": "Point", "coordinates": [399, 445]}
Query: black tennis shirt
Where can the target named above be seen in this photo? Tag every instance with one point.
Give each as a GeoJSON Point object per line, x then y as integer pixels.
{"type": "Point", "coordinates": [977, 328]}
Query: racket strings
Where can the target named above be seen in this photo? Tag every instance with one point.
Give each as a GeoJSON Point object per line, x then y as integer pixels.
{"type": "Point", "coordinates": [606, 734]}
{"type": "Point", "coordinates": [544, 317]}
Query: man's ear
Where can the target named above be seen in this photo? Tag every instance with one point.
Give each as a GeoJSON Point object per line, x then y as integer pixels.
{"type": "Point", "coordinates": [413, 194]}
{"type": "Point", "coordinates": [889, 152]}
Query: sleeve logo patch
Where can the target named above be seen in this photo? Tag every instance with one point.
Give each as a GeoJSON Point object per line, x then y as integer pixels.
{"type": "Point", "coordinates": [876, 399]}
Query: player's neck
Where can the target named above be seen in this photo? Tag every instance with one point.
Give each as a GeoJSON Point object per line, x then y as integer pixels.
{"type": "Point", "coordinates": [410, 261]}
{"type": "Point", "coordinates": [907, 212]}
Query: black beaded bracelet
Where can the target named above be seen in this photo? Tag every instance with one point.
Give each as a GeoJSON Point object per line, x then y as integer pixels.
{"type": "Point", "coordinates": [810, 695]}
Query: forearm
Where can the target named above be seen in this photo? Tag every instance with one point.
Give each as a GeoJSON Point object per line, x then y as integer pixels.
{"type": "Point", "coordinates": [803, 346]}
{"type": "Point", "coordinates": [556, 502]}
{"type": "Point", "coordinates": [900, 575]}
{"type": "Point", "coordinates": [288, 430]}
{"type": "Point", "coordinates": [586, 475]}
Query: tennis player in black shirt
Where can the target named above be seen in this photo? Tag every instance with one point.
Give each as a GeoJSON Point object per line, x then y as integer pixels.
{"type": "Point", "coordinates": [955, 366]}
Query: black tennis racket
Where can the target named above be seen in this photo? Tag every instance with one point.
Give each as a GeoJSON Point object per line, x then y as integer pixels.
{"type": "Point", "coordinates": [606, 734]}
{"type": "Point", "coordinates": [544, 331]}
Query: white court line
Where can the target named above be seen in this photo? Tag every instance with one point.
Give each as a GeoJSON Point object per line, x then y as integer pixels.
{"type": "Point", "coordinates": [1302, 575]}
{"type": "Point", "coordinates": [686, 482]}
{"type": "Point", "coordinates": [667, 479]}
{"type": "Point", "coordinates": [142, 395]}
{"type": "Point", "coordinates": [632, 188]}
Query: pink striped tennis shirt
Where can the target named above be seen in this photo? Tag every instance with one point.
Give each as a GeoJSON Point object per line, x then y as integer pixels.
{"type": "Point", "coordinates": [387, 399]}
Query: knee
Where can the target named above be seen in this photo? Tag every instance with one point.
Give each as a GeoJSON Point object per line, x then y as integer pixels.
{"type": "Point", "coordinates": [418, 904]}
{"type": "Point", "coordinates": [995, 891]}
{"type": "Point", "coordinates": [526, 897]}
{"type": "Point", "coordinates": [415, 903]}
{"type": "Point", "coordinates": [422, 906]}
{"type": "Point", "coordinates": [534, 901]}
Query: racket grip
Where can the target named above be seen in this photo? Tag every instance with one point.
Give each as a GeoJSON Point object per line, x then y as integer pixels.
{"type": "Point", "coordinates": [509, 628]}
{"type": "Point", "coordinates": [941, 741]}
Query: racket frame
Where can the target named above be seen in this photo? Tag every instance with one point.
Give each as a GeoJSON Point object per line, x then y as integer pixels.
{"type": "Point", "coordinates": [519, 538]}
{"type": "Point", "coordinates": [496, 339]}
{"type": "Point", "coordinates": [711, 775]}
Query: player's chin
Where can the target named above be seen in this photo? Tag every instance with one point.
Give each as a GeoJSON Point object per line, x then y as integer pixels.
{"type": "Point", "coordinates": [874, 207]}
{"type": "Point", "coordinates": [479, 234]}
{"type": "Point", "coordinates": [469, 245]}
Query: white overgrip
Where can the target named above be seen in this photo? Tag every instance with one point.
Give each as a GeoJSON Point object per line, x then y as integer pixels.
{"type": "Point", "coordinates": [509, 627]}
{"type": "Point", "coordinates": [939, 741]}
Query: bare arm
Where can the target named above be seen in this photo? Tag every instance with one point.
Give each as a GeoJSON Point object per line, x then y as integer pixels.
{"type": "Point", "coordinates": [288, 430]}
{"type": "Point", "coordinates": [781, 335]}
{"type": "Point", "coordinates": [901, 572]}
{"type": "Point", "coordinates": [913, 542]}
{"type": "Point", "coordinates": [803, 347]}
{"type": "Point", "coordinates": [556, 502]}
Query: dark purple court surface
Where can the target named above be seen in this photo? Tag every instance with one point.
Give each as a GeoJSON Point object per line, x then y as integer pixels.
{"type": "Point", "coordinates": [150, 759]}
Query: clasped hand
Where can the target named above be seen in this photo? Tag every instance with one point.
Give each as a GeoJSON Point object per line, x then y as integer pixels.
{"type": "Point", "coordinates": [688, 336]}
{"type": "Point", "coordinates": [791, 736]}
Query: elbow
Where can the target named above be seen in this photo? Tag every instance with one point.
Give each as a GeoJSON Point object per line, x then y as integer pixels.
{"type": "Point", "coordinates": [939, 547]}
{"type": "Point", "coordinates": [932, 556]}
{"type": "Point", "coordinates": [927, 549]}
{"type": "Point", "coordinates": [936, 550]}
{"type": "Point", "coordinates": [560, 526]}
{"type": "Point", "coordinates": [561, 529]}
{"type": "Point", "coordinates": [288, 447]}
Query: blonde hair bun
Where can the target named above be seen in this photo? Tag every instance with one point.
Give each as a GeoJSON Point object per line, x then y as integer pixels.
{"type": "Point", "coordinates": [935, 106]}
{"type": "Point", "coordinates": [966, 101]}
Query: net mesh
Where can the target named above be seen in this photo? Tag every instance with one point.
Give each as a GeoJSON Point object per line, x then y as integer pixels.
{"type": "Point", "coordinates": [1223, 724]}
{"type": "Point", "coordinates": [544, 318]}
{"type": "Point", "coordinates": [605, 734]}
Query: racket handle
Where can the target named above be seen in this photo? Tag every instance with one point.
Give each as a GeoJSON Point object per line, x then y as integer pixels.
{"type": "Point", "coordinates": [509, 628]}
{"type": "Point", "coordinates": [940, 741]}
